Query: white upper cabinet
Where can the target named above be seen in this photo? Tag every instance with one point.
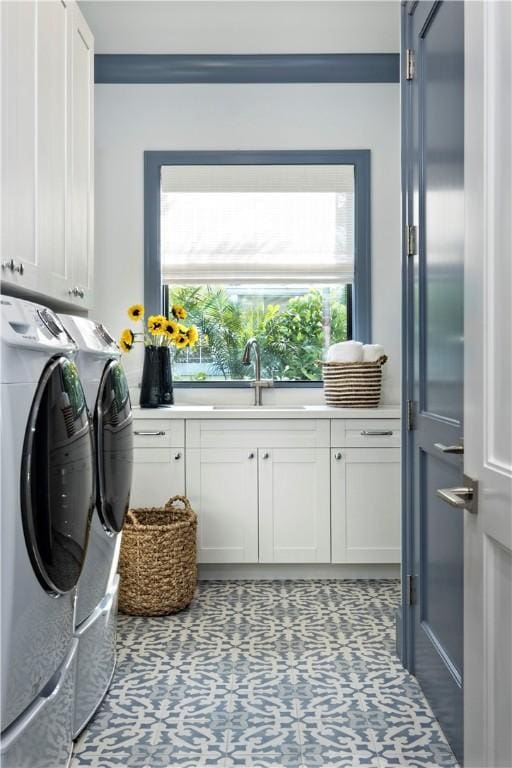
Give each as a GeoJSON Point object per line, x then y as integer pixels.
{"type": "Point", "coordinates": [47, 150]}
{"type": "Point", "coordinates": [19, 64]}
{"type": "Point", "coordinates": [81, 148]}
{"type": "Point", "coordinates": [52, 145]}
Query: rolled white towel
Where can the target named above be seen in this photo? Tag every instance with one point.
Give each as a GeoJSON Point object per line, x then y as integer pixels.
{"type": "Point", "coordinates": [372, 353]}
{"type": "Point", "coordinates": [345, 352]}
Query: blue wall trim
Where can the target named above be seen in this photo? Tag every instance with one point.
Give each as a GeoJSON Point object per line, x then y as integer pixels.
{"type": "Point", "coordinates": [359, 158]}
{"type": "Point", "coordinates": [261, 68]}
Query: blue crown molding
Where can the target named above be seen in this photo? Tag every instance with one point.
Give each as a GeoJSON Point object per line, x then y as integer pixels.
{"type": "Point", "coordinates": [261, 68]}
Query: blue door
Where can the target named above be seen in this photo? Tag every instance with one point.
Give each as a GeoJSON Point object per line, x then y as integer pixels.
{"type": "Point", "coordinates": [434, 172]}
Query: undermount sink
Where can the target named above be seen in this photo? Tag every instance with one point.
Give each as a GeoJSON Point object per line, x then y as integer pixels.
{"type": "Point", "coordinates": [258, 407]}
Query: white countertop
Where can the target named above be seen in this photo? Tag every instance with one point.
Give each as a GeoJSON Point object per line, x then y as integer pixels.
{"type": "Point", "coordinates": [265, 412]}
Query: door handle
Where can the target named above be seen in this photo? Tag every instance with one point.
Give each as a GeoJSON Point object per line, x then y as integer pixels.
{"type": "Point", "coordinates": [465, 497]}
{"type": "Point", "coordinates": [449, 448]}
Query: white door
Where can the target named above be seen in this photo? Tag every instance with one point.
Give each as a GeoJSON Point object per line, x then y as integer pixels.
{"type": "Point", "coordinates": [222, 485]}
{"type": "Point", "coordinates": [365, 508]}
{"type": "Point", "coordinates": [158, 474]}
{"type": "Point", "coordinates": [488, 387]}
{"type": "Point", "coordinates": [294, 505]}
{"type": "Point", "coordinates": [81, 151]}
{"type": "Point", "coordinates": [18, 38]}
{"type": "Point", "coordinates": [52, 144]}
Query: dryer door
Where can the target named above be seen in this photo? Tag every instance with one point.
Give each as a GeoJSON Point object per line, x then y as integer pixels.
{"type": "Point", "coordinates": [57, 477]}
{"type": "Point", "coordinates": [114, 439]}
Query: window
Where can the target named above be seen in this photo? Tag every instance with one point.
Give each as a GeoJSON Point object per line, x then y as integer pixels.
{"type": "Point", "coordinates": [265, 249]}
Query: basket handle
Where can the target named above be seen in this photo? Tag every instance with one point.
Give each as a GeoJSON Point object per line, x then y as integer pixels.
{"type": "Point", "coordinates": [183, 499]}
{"type": "Point", "coordinates": [132, 517]}
{"type": "Point", "coordinates": [383, 359]}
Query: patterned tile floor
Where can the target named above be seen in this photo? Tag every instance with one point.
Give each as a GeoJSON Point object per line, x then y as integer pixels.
{"type": "Point", "coordinates": [265, 674]}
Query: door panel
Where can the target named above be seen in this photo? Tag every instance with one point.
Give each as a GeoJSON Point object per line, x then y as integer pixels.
{"type": "Point", "coordinates": [294, 505]}
{"type": "Point", "coordinates": [488, 387]}
{"type": "Point", "coordinates": [435, 362]}
{"type": "Point", "coordinates": [365, 512]}
{"type": "Point", "coordinates": [222, 484]}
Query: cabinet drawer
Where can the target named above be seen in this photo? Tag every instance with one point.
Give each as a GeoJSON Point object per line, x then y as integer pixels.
{"type": "Point", "coordinates": [258, 433]}
{"type": "Point", "coordinates": [153, 433]}
{"type": "Point", "coordinates": [365, 433]}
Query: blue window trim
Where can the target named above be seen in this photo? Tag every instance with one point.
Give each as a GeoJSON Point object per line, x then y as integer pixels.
{"type": "Point", "coordinates": [359, 158]}
{"type": "Point", "coordinates": [247, 68]}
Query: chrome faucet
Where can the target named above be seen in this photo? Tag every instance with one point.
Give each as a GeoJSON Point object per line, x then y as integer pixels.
{"type": "Point", "coordinates": [258, 383]}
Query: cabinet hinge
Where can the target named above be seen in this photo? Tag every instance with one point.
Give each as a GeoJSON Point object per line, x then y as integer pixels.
{"type": "Point", "coordinates": [410, 415]}
{"type": "Point", "coordinates": [410, 64]}
{"type": "Point", "coordinates": [412, 240]}
{"type": "Point", "coordinates": [411, 590]}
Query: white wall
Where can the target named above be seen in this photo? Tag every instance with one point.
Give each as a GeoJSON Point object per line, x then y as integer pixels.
{"type": "Point", "coordinates": [238, 26]}
{"type": "Point", "coordinates": [134, 118]}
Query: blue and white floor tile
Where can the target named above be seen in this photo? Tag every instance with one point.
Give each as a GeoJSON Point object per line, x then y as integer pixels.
{"type": "Point", "coordinates": [294, 674]}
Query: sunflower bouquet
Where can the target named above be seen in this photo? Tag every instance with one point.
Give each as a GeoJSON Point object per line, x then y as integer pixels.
{"type": "Point", "coordinates": [159, 330]}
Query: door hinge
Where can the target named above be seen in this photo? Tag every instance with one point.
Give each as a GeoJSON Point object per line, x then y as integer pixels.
{"type": "Point", "coordinates": [410, 415]}
{"type": "Point", "coordinates": [410, 64]}
{"type": "Point", "coordinates": [412, 240]}
{"type": "Point", "coordinates": [411, 590]}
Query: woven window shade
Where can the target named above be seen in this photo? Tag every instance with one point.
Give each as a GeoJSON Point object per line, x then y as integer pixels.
{"type": "Point", "coordinates": [257, 224]}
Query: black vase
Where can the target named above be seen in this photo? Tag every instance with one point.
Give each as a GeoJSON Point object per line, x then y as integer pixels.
{"type": "Point", "coordinates": [156, 388]}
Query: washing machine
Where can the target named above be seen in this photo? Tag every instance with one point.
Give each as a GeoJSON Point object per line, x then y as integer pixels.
{"type": "Point", "coordinates": [108, 399]}
{"type": "Point", "coordinates": [47, 495]}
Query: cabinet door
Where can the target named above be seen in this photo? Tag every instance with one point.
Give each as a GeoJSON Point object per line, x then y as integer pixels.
{"type": "Point", "coordinates": [158, 474]}
{"type": "Point", "coordinates": [222, 485]}
{"type": "Point", "coordinates": [52, 145]}
{"type": "Point", "coordinates": [81, 154]}
{"type": "Point", "coordinates": [18, 63]}
{"type": "Point", "coordinates": [294, 505]}
{"type": "Point", "coordinates": [365, 509]}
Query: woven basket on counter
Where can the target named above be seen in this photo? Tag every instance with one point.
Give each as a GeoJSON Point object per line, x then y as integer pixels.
{"type": "Point", "coordinates": [158, 562]}
{"type": "Point", "coordinates": [353, 385]}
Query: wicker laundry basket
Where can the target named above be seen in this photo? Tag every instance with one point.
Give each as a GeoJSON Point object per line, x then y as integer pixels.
{"type": "Point", "coordinates": [353, 385]}
{"type": "Point", "coordinates": [158, 563]}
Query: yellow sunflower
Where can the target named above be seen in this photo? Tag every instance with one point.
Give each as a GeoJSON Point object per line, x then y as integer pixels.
{"type": "Point", "coordinates": [171, 328]}
{"type": "Point", "coordinates": [192, 335]}
{"type": "Point", "coordinates": [136, 312]}
{"type": "Point", "coordinates": [156, 325]}
{"type": "Point", "coordinates": [126, 340]}
{"type": "Point", "coordinates": [179, 312]}
{"type": "Point", "coordinates": [181, 338]}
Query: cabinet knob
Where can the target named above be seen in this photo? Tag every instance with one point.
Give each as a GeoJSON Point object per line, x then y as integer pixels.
{"type": "Point", "coordinates": [338, 456]}
{"type": "Point", "coordinates": [177, 456]}
{"type": "Point", "coordinates": [80, 293]}
{"type": "Point", "coordinates": [8, 265]}
{"type": "Point", "coordinates": [266, 455]}
{"type": "Point", "coordinates": [20, 268]}
{"type": "Point", "coordinates": [251, 455]}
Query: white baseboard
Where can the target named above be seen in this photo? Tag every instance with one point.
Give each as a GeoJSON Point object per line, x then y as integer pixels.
{"type": "Point", "coordinates": [313, 571]}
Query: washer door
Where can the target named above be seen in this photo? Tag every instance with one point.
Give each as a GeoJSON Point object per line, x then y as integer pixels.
{"type": "Point", "coordinates": [57, 478]}
{"type": "Point", "coordinates": [114, 437]}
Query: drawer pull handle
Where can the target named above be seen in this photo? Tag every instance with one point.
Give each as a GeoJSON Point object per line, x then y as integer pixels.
{"type": "Point", "coordinates": [156, 433]}
{"type": "Point", "coordinates": [177, 456]}
{"type": "Point", "coordinates": [377, 432]}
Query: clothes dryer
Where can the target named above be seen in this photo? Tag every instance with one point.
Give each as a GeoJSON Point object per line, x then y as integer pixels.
{"type": "Point", "coordinates": [108, 399]}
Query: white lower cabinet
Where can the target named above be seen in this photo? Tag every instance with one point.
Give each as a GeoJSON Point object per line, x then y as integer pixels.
{"type": "Point", "coordinates": [158, 474]}
{"type": "Point", "coordinates": [294, 504]}
{"type": "Point", "coordinates": [365, 505]}
{"type": "Point", "coordinates": [222, 485]}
